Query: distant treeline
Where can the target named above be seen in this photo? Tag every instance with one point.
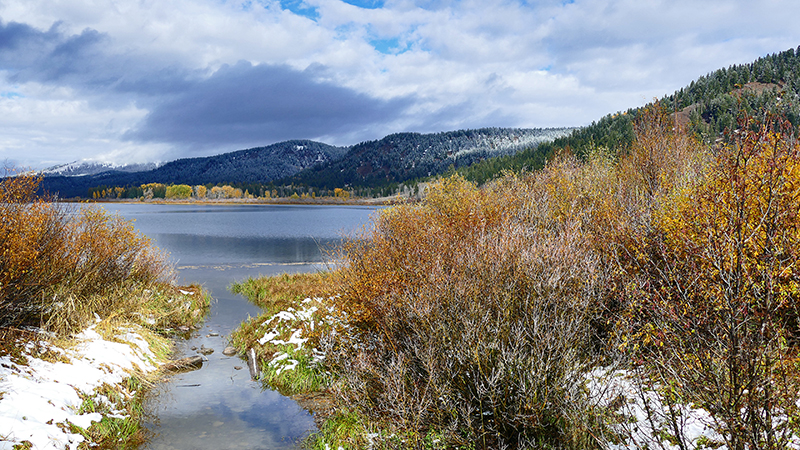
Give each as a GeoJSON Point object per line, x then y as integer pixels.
{"type": "Point", "coordinates": [152, 191]}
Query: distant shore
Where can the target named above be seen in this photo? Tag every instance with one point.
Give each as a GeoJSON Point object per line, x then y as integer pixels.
{"type": "Point", "coordinates": [380, 201]}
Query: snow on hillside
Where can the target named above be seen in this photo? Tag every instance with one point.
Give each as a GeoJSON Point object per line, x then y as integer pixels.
{"type": "Point", "coordinates": [80, 168]}
{"type": "Point", "coordinates": [510, 143]}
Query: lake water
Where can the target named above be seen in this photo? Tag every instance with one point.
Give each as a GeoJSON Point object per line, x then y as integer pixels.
{"type": "Point", "coordinates": [218, 406]}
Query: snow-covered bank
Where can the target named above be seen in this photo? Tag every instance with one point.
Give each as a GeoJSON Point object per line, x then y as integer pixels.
{"type": "Point", "coordinates": [38, 398]}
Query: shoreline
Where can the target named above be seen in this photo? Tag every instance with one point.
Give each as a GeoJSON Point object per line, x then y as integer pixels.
{"type": "Point", "coordinates": [381, 201]}
{"type": "Point", "coordinates": [86, 389]}
{"type": "Point", "coordinates": [52, 404]}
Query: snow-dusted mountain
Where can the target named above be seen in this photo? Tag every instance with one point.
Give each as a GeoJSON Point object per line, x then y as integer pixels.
{"type": "Point", "coordinates": [394, 159]}
{"type": "Point", "coordinates": [80, 168]}
{"type": "Point", "coordinates": [401, 157]}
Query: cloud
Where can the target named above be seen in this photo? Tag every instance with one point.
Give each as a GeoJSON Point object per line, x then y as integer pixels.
{"type": "Point", "coordinates": [50, 56]}
{"type": "Point", "coordinates": [251, 104]}
{"type": "Point", "coordinates": [101, 78]}
{"type": "Point", "coordinates": [241, 104]}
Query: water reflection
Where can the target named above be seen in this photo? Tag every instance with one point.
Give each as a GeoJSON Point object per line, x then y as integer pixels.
{"type": "Point", "coordinates": [198, 249]}
{"type": "Point", "coordinates": [218, 406]}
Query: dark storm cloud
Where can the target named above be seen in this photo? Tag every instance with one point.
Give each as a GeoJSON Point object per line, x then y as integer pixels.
{"type": "Point", "coordinates": [28, 54]}
{"type": "Point", "coordinates": [248, 103]}
{"type": "Point", "coordinates": [240, 104]}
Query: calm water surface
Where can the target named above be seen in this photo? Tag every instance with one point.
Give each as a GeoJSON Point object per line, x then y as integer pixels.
{"type": "Point", "coordinates": [218, 406]}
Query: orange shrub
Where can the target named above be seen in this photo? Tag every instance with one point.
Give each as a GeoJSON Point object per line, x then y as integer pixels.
{"type": "Point", "coordinates": [471, 317]}
{"type": "Point", "coordinates": [48, 251]}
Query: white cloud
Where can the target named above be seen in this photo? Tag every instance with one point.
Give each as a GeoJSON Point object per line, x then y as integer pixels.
{"type": "Point", "coordinates": [455, 63]}
{"type": "Point", "coordinates": [47, 126]}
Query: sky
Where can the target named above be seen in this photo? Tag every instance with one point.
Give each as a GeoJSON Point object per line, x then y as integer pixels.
{"type": "Point", "coordinates": [129, 81]}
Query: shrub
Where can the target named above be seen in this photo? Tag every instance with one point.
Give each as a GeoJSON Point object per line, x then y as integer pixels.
{"type": "Point", "coordinates": [51, 255]}
{"type": "Point", "coordinates": [715, 310]}
{"type": "Point", "coordinates": [471, 317]}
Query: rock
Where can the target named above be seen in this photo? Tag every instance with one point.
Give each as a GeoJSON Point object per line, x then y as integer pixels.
{"type": "Point", "coordinates": [229, 351]}
{"type": "Point", "coordinates": [194, 347]}
{"type": "Point", "coordinates": [237, 367]}
{"type": "Point", "coordinates": [184, 364]}
{"type": "Point", "coordinates": [205, 350]}
{"type": "Point", "coordinates": [213, 334]}
{"type": "Point", "coordinates": [183, 328]}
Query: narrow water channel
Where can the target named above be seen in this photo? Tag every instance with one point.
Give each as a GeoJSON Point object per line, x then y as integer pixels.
{"type": "Point", "coordinates": [218, 406]}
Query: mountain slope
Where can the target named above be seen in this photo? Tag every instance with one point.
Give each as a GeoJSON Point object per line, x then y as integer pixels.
{"type": "Point", "coordinates": [405, 156]}
{"type": "Point", "coordinates": [260, 165]}
{"type": "Point", "coordinates": [395, 158]}
{"type": "Point", "coordinates": [76, 168]}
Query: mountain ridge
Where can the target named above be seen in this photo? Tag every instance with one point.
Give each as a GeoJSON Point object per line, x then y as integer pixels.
{"type": "Point", "coordinates": [281, 161]}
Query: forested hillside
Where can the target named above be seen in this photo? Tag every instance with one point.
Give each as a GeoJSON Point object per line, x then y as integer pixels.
{"type": "Point", "coordinates": [709, 106]}
{"type": "Point", "coordinates": [255, 165]}
{"type": "Point", "coordinates": [406, 156]}
{"type": "Point", "coordinates": [374, 166]}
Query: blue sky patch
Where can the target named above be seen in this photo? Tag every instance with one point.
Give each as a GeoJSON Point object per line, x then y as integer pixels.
{"type": "Point", "coordinates": [389, 46]}
{"type": "Point", "coordinates": [11, 95]}
{"type": "Point", "coordinates": [366, 4]}
{"type": "Point", "coordinates": [300, 8]}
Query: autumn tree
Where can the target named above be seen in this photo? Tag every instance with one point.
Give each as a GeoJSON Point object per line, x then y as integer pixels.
{"type": "Point", "coordinates": [714, 311]}
{"type": "Point", "coordinates": [178, 191]}
{"type": "Point", "coordinates": [199, 191]}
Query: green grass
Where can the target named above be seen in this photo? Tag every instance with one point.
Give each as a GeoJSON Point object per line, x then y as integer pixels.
{"type": "Point", "coordinates": [345, 429]}
{"type": "Point", "coordinates": [115, 432]}
{"type": "Point", "coordinates": [305, 377]}
{"type": "Point", "coordinates": [276, 293]}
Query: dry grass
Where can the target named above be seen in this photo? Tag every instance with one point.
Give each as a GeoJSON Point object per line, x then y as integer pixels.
{"type": "Point", "coordinates": [282, 291]}
{"type": "Point", "coordinates": [59, 266]}
{"type": "Point", "coordinates": [287, 293]}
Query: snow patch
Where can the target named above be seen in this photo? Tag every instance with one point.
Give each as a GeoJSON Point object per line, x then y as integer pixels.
{"type": "Point", "coordinates": [36, 398]}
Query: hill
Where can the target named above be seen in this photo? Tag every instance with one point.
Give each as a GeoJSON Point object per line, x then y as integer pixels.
{"type": "Point", "coordinates": [406, 156]}
{"type": "Point", "coordinates": [77, 168]}
{"type": "Point", "coordinates": [255, 165]}
{"type": "Point", "coordinates": [709, 106]}
{"type": "Point", "coordinates": [393, 159]}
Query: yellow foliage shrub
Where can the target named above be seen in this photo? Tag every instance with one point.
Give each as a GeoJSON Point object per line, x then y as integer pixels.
{"type": "Point", "coordinates": [713, 286]}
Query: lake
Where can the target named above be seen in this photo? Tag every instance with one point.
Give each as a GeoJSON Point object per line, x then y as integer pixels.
{"type": "Point", "coordinates": [218, 406]}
